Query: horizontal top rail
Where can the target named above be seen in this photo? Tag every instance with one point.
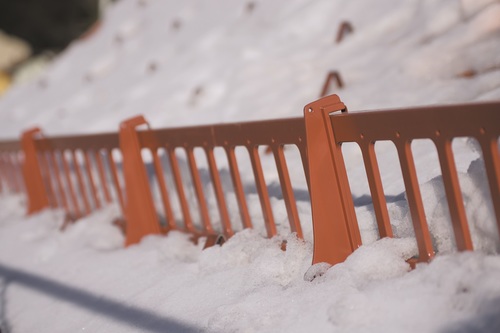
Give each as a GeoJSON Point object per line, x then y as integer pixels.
{"type": "Point", "coordinates": [417, 123]}
{"type": "Point", "coordinates": [10, 146]}
{"type": "Point", "coordinates": [282, 131]}
{"type": "Point", "coordinates": [85, 142]}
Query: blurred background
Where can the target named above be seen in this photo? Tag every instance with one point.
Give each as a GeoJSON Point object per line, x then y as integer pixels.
{"type": "Point", "coordinates": [83, 66]}
{"type": "Point", "coordinates": [32, 32]}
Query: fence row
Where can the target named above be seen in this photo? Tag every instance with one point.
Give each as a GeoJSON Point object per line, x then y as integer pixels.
{"type": "Point", "coordinates": [140, 169]}
{"type": "Point", "coordinates": [82, 173]}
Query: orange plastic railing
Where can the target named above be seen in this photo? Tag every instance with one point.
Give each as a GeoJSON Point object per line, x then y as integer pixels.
{"type": "Point", "coordinates": [328, 125]}
{"type": "Point", "coordinates": [77, 173]}
{"type": "Point", "coordinates": [140, 211]}
{"type": "Point", "coordinates": [82, 173]}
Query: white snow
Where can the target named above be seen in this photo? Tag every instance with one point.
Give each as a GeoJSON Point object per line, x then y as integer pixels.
{"type": "Point", "coordinates": [197, 62]}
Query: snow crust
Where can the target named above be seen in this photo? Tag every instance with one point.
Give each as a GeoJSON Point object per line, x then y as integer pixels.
{"type": "Point", "coordinates": [194, 62]}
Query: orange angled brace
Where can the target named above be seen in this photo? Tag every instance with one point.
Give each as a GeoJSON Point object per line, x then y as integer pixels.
{"type": "Point", "coordinates": [35, 188]}
{"type": "Point", "coordinates": [140, 212]}
{"type": "Point", "coordinates": [336, 233]}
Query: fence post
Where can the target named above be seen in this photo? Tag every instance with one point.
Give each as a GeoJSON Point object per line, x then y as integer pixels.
{"type": "Point", "coordinates": [335, 229]}
{"type": "Point", "coordinates": [140, 212]}
{"type": "Point", "coordinates": [32, 174]}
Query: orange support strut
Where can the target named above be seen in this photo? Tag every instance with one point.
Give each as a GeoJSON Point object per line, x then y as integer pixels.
{"type": "Point", "coordinates": [35, 187]}
{"type": "Point", "coordinates": [140, 213]}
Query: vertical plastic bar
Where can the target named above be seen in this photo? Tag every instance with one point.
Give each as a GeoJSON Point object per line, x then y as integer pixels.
{"type": "Point", "coordinates": [287, 190]}
{"type": "Point", "coordinates": [4, 170]}
{"type": "Point", "coordinates": [81, 184]}
{"type": "Point", "coordinates": [163, 191]}
{"type": "Point", "coordinates": [47, 176]}
{"type": "Point", "coordinates": [336, 233]}
{"type": "Point", "coordinates": [219, 193]}
{"type": "Point", "coordinates": [454, 196]}
{"type": "Point", "coordinates": [52, 179]}
{"type": "Point", "coordinates": [114, 175]}
{"type": "Point", "coordinates": [102, 176]}
{"type": "Point", "coordinates": [200, 196]}
{"type": "Point", "coordinates": [140, 211]}
{"type": "Point", "coordinates": [15, 172]}
{"type": "Point", "coordinates": [71, 188]}
{"type": "Point", "coordinates": [262, 191]}
{"type": "Point", "coordinates": [491, 156]}
{"type": "Point", "coordinates": [57, 176]}
{"type": "Point", "coordinates": [35, 187]}
{"type": "Point", "coordinates": [188, 222]}
{"type": "Point", "coordinates": [376, 189]}
{"type": "Point", "coordinates": [238, 187]}
{"type": "Point", "coordinates": [88, 169]}
{"type": "Point", "coordinates": [425, 250]}
{"type": "Point", "coordinates": [11, 174]}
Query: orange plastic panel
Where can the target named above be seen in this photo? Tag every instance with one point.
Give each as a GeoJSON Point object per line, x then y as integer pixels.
{"type": "Point", "coordinates": [336, 234]}
{"type": "Point", "coordinates": [35, 187]}
{"type": "Point", "coordinates": [140, 211]}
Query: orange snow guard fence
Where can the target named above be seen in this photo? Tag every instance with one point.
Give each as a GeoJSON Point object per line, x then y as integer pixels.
{"type": "Point", "coordinates": [141, 215]}
{"type": "Point", "coordinates": [328, 125]}
{"type": "Point", "coordinates": [53, 175]}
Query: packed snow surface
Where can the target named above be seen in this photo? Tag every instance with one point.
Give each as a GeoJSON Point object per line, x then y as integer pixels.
{"type": "Point", "coordinates": [195, 62]}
